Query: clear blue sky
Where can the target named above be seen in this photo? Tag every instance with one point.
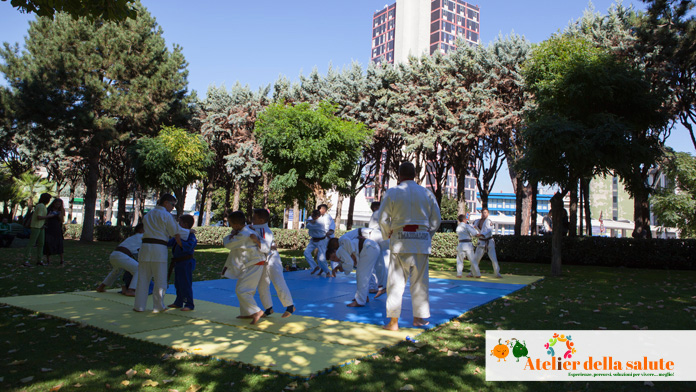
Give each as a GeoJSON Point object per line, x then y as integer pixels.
{"type": "Point", "coordinates": [254, 42]}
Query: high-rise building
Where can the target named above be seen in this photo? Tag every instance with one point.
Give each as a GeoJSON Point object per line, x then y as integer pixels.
{"type": "Point", "coordinates": [413, 27]}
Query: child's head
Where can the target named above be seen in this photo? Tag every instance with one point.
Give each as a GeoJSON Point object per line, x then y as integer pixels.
{"type": "Point", "coordinates": [374, 206]}
{"type": "Point", "coordinates": [316, 214]}
{"type": "Point", "coordinates": [260, 216]}
{"type": "Point", "coordinates": [461, 218]}
{"type": "Point", "coordinates": [237, 220]}
{"type": "Point", "coordinates": [186, 221]}
{"type": "Point", "coordinates": [322, 208]}
{"type": "Point", "coordinates": [139, 228]}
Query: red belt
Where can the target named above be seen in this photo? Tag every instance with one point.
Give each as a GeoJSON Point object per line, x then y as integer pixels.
{"type": "Point", "coordinates": [410, 228]}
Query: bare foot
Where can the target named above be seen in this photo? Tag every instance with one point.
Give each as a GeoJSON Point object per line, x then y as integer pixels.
{"type": "Point", "coordinates": [419, 322]}
{"type": "Point", "coordinates": [129, 293]}
{"type": "Point", "coordinates": [393, 325]}
{"type": "Point", "coordinates": [499, 276]}
{"type": "Point", "coordinates": [256, 317]}
{"type": "Point", "coordinates": [244, 317]}
{"type": "Point", "coordinates": [101, 288]}
{"type": "Point", "coordinates": [468, 276]}
{"type": "Point", "coordinates": [138, 310]}
{"type": "Point", "coordinates": [174, 306]}
{"type": "Point", "coordinates": [459, 276]}
{"type": "Point", "coordinates": [186, 309]}
{"type": "Point", "coordinates": [354, 304]}
{"type": "Point", "coordinates": [380, 292]}
{"type": "Point", "coordinates": [289, 312]}
{"type": "Point", "coordinates": [314, 271]}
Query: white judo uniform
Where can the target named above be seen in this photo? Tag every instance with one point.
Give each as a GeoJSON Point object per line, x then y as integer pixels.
{"type": "Point", "coordinates": [120, 260]}
{"type": "Point", "coordinates": [245, 262]}
{"type": "Point", "coordinates": [379, 275]}
{"type": "Point", "coordinates": [465, 249]}
{"type": "Point", "coordinates": [366, 256]}
{"type": "Point", "coordinates": [159, 226]}
{"type": "Point", "coordinates": [272, 271]}
{"type": "Point", "coordinates": [409, 216]}
{"type": "Point", "coordinates": [486, 244]}
{"type": "Point", "coordinates": [318, 240]}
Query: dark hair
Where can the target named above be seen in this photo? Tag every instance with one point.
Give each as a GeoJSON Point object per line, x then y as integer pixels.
{"type": "Point", "coordinates": [407, 171]}
{"type": "Point", "coordinates": [315, 213]}
{"type": "Point", "coordinates": [323, 205]}
{"type": "Point", "coordinates": [330, 252]}
{"type": "Point", "coordinates": [331, 247]}
{"type": "Point", "coordinates": [262, 213]}
{"type": "Point", "coordinates": [461, 217]}
{"type": "Point", "coordinates": [138, 227]}
{"type": "Point", "coordinates": [44, 198]}
{"type": "Point", "coordinates": [484, 208]}
{"type": "Point", "coordinates": [186, 221]}
{"type": "Point", "coordinates": [375, 205]}
{"type": "Point", "coordinates": [53, 207]}
{"type": "Point", "coordinates": [237, 218]}
{"type": "Point", "coordinates": [165, 198]}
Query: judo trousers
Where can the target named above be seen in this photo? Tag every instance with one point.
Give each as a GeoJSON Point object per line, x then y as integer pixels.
{"type": "Point", "coordinates": [465, 250]}
{"type": "Point", "coordinates": [246, 288]}
{"type": "Point", "coordinates": [120, 261]}
{"type": "Point", "coordinates": [402, 267]}
{"type": "Point", "coordinates": [482, 249]}
{"type": "Point", "coordinates": [369, 256]}
{"type": "Point", "coordinates": [273, 273]}
{"type": "Point", "coordinates": [321, 254]}
{"type": "Point", "coordinates": [147, 270]}
{"type": "Point", "coordinates": [183, 282]}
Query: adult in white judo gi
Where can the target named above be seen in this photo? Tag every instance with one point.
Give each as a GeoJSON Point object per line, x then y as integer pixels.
{"type": "Point", "coordinates": [378, 281]}
{"type": "Point", "coordinates": [123, 258]}
{"type": "Point", "coordinates": [465, 249]}
{"type": "Point", "coordinates": [408, 216]}
{"type": "Point", "coordinates": [273, 270]}
{"type": "Point", "coordinates": [486, 243]}
{"type": "Point", "coordinates": [245, 263]}
{"type": "Point", "coordinates": [159, 226]}
{"type": "Point", "coordinates": [357, 251]}
{"type": "Point", "coordinates": [318, 239]}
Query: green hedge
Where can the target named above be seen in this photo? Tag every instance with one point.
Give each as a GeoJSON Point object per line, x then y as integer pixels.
{"type": "Point", "coordinates": [600, 251]}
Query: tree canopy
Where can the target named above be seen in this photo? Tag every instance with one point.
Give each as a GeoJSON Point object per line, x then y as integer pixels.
{"type": "Point", "coordinates": [111, 10]}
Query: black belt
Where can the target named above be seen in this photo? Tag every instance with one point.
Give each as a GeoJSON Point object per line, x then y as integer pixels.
{"type": "Point", "coordinates": [125, 251]}
{"type": "Point", "coordinates": [464, 240]}
{"type": "Point", "coordinates": [317, 239]}
{"type": "Point", "coordinates": [154, 241]}
{"type": "Point", "coordinates": [182, 258]}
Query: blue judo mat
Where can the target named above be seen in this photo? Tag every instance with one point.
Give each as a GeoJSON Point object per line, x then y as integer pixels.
{"type": "Point", "coordinates": [327, 298]}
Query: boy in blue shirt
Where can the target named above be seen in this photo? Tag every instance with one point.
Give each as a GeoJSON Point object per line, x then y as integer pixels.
{"type": "Point", "coordinates": [184, 264]}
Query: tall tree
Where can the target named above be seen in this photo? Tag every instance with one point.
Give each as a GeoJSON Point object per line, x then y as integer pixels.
{"type": "Point", "coordinates": [675, 205]}
{"type": "Point", "coordinates": [308, 149]}
{"type": "Point", "coordinates": [171, 161]}
{"type": "Point", "coordinates": [83, 86]}
{"type": "Point", "coordinates": [104, 9]}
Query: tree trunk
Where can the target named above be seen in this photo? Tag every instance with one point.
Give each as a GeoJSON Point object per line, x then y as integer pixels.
{"type": "Point", "coordinates": [266, 190]}
{"type": "Point", "coordinates": [557, 235]}
{"type": "Point", "coordinates": [91, 185]}
{"type": "Point", "coordinates": [203, 202]}
{"type": "Point", "coordinates": [526, 209]}
{"type": "Point", "coordinates": [208, 207]}
{"type": "Point", "coordinates": [237, 196]}
{"type": "Point", "coordinates": [227, 200]}
{"type": "Point", "coordinates": [72, 203]}
{"type": "Point", "coordinates": [573, 213]}
{"type": "Point", "coordinates": [533, 211]}
{"type": "Point", "coordinates": [250, 200]}
{"type": "Point", "coordinates": [109, 207]}
{"type": "Point", "coordinates": [377, 179]}
{"type": "Point", "coordinates": [296, 214]}
{"type": "Point", "coordinates": [339, 210]}
{"type": "Point", "coordinates": [641, 216]}
{"type": "Point", "coordinates": [180, 194]}
{"type": "Point", "coordinates": [121, 215]}
{"type": "Point", "coordinates": [351, 209]}
{"type": "Point", "coordinates": [588, 213]}
{"type": "Point", "coordinates": [581, 209]}
{"type": "Point", "coordinates": [519, 196]}
{"type": "Point", "coordinates": [286, 217]}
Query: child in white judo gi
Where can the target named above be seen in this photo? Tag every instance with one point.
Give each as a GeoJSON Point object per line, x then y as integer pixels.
{"type": "Point", "coordinates": [486, 243]}
{"type": "Point", "coordinates": [124, 258]}
{"type": "Point", "coordinates": [318, 240]}
{"type": "Point", "coordinates": [245, 263]}
{"type": "Point", "coordinates": [273, 270]}
{"type": "Point", "coordinates": [465, 249]}
{"type": "Point", "coordinates": [356, 251]}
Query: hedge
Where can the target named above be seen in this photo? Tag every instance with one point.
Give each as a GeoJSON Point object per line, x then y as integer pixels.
{"type": "Point", "coordinates": [591, 251]}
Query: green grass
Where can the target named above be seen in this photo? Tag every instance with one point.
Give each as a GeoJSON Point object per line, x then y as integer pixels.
{"type": "Point", "coordinates": [55, 352]}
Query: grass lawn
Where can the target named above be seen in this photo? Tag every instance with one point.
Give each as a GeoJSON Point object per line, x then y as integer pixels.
{"type": "Point", "coordinates": [41, 353]}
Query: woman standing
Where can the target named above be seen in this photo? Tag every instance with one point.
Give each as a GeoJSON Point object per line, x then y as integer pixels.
{"type": "Point", "coordinates": [54, 231]}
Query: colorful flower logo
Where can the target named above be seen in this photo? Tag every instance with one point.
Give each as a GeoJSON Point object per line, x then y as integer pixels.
{"type": "Point", "coordinates": [551, 346]}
